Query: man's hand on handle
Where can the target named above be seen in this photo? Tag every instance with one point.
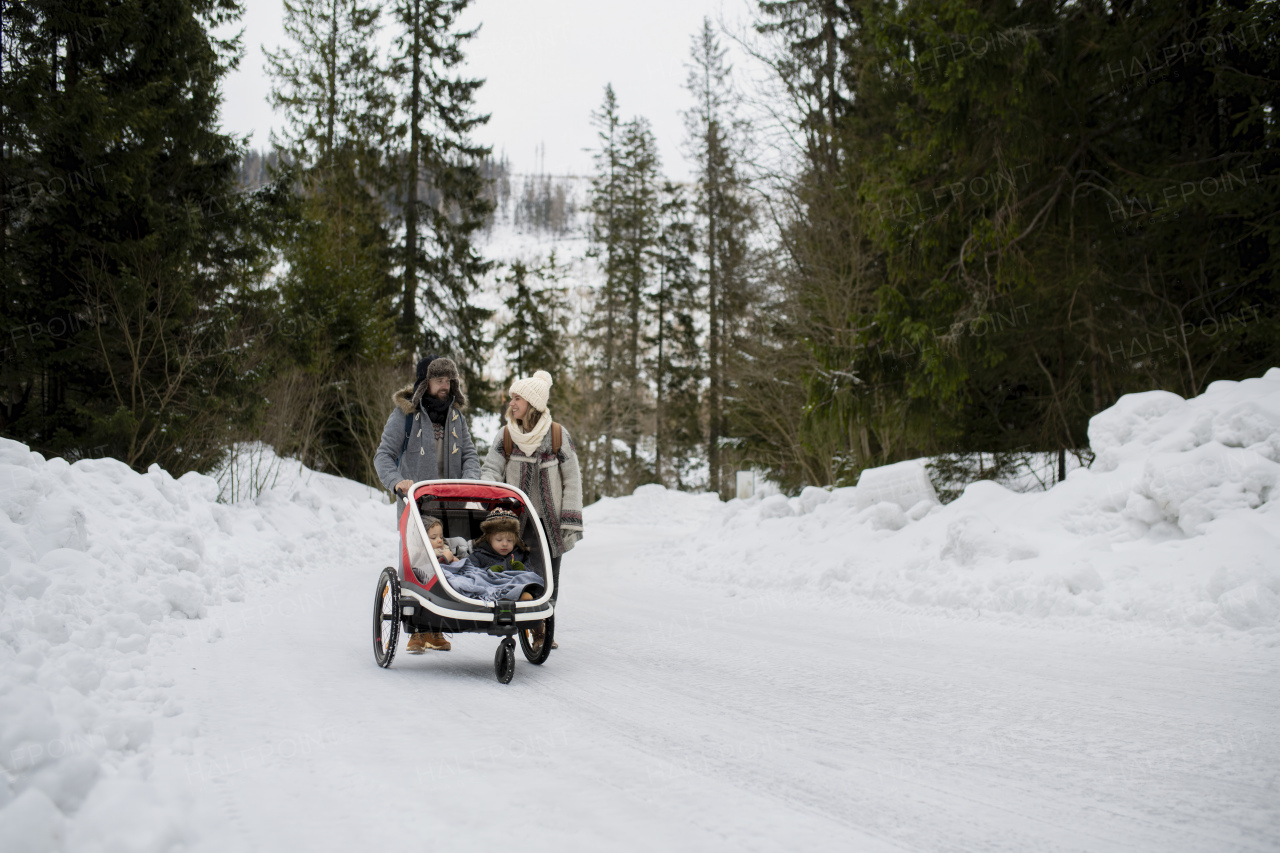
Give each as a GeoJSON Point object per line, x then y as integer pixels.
{"type": "Point", "coordinates": [402, 488]}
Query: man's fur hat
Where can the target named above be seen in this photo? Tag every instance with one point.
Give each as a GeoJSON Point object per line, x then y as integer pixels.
{"type": "Point", "coordinates": [431, 367]}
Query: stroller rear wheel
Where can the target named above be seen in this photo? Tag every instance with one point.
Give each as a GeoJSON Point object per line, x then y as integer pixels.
{"type": "Point", "coordinates": [538, 652]}
{"type": "Point", "coordinates": [504, 661]}
{"type": "Point", "coordinates": [386, 618]}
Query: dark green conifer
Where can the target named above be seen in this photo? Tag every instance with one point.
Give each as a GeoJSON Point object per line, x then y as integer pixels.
{"type": "Point", "coordinates": [447, 198]}
{"type": "Point", "coordinates": [534, 336]}
{"type": "Point", "coordinates": [125, 250]}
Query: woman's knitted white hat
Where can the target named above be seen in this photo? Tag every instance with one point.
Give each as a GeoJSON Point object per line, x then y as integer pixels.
{"type": "Point", "coordinates": [536, 389]}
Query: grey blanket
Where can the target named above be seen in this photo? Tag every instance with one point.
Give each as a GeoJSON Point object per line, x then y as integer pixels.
{"type": "Point", "coordinates": [475, 582]}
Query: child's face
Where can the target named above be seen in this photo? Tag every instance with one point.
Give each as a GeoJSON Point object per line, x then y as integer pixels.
{"type": "Point", "coordinates": [503, 543]}
{"type": "Point", "coordinates": [436, 535]}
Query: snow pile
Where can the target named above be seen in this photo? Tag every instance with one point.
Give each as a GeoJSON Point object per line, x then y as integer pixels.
{"type": "Point", "coordinates": [1174, 528]}
{"type": "Point", "coordinates": [904, 483]}
{"type": "Point", "coordinates": [101, 570]}
{"type": "Point", "coordinates": [652, 505]}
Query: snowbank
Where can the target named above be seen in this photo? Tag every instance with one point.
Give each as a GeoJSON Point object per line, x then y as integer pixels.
{"type": "Point", "coordinates": [1174, 528]}
{"type": "Point", "coordinates": [101, 570]}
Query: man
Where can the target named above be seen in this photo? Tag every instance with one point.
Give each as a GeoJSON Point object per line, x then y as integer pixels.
{"type": "Point", "coordinates": [438, 446]}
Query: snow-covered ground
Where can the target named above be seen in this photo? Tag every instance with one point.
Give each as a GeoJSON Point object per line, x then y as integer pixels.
{"type": "Point", "coordinates": [1095, 667]}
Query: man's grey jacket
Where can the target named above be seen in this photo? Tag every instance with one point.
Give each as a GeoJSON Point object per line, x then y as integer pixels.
{"type": "Point", "coordinates": [419, 461]}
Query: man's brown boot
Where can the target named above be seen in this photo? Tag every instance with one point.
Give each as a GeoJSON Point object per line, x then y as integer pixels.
{"type": "Point", "coordinates": [436, 641]}
{"type": "Point", "coordinates": [417, 644]}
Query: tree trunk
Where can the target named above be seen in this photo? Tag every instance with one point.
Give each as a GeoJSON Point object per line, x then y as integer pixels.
{"type": "Point", "coordinates": [713, 307]}
{"type": "Point", "coordinates": [657, 412]}
{"type": "Point", "coordinates": [409, 314]}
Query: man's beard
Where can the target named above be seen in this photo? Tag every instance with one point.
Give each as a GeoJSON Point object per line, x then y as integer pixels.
{"type": "Point", "coordinates": [443, 393]}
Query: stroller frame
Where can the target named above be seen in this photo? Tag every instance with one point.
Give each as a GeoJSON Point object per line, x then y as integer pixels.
{"type": "Point", "coordinates": [419, 598]}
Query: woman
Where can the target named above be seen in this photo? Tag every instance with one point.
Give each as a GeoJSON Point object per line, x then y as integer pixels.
{"type": "Point", "coordinates": [528, 454]}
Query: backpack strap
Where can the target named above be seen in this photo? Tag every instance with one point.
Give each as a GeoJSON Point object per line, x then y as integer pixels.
{"type": "Point", "coordinates": [408, 428]}
{"type": "Point", "coordinates": [555, 437]}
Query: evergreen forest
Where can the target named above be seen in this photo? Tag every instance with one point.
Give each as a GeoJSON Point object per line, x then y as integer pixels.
{"type": "Point", "coordinates": [954, 229]}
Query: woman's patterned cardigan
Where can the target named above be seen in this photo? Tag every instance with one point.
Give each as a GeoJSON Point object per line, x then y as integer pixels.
{"type": "Point", "coordinates": [552, 481]}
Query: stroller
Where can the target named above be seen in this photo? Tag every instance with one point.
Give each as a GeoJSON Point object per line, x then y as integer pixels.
{"type": "Point", "coordinates": [417, 594]}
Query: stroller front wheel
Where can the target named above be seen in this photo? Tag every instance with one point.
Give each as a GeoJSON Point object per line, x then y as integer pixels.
{"type": "Point", "coordinates": [504, 661]}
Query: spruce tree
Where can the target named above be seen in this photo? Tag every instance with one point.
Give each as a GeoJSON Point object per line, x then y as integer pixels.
{"type": "Point", "coordinates": [534, 335]}
{"type": "Point", "coordinates": [724, 215]}
{"type": "Point", "coordinates": [338, 286]}
{"type": "Point", "coordinates": [1026, 214]}
{"type": "Point", "coordinates": [676, 350]}
{"type": "Point", "coordinates": [635, 264]}
{"type": "Point", "coordinates": [333, 94]}
{"type": "Point", "coordinates": [625, 207]}
{"type": "Point", "coordinates": [124, 244]}
{"type": "Point", "coordinates": [447, 198]}
{"type": "Point", "coordinates": [607, 230]}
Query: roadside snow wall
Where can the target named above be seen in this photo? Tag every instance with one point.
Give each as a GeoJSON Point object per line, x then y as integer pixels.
{"type": "Point", "coordinates": [101, 570]}
{"type": "Point", "coordinates": [1176, 527]}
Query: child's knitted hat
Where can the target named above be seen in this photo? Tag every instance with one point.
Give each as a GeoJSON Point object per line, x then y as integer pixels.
{"type": "Point", "coordinates": [536, 389]}
{"type": "Point", "coordinates": [500, 521]}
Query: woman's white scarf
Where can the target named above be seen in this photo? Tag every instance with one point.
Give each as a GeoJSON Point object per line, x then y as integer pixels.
{"type": "Point", "coordinates": [530, 441]}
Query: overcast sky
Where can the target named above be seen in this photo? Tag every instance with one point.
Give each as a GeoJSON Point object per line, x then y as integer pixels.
{"type": "Point", "coordinates": [546, 63]}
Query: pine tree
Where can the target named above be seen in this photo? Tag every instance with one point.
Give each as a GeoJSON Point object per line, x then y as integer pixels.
{"type": "Point", "coordinates": [677, 354]}
{"type": "Point", "coordinates": [635, 259]}
{"type": "Point", "coordinates": [333, 93]}
{"type": "Point", "coordinates": [1022, 215]}
{"type": "Point", "coordinates": [444, 186]}
{"type": "Point", "coordinates": [534, 336]}
{"type": "Point", "coordinates": [607, 230]}
{"type": "Point", "coordinates": [332, 89]}
{"type": "Point", "coordinates": [724, 216]}
{"type": "Point", "coordinates": [124, 242]}
{"type": "Point", "coordinates": [625, 206]}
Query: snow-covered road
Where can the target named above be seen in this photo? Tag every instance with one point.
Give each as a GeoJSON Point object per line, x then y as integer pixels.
{"type": "Point", "coordinates": [716, 722]}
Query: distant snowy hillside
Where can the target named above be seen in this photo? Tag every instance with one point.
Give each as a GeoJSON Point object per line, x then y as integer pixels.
{"type": "Point", "coordinates": [539, 214]}
{"type": "Point", "coordinates": [536, 216]}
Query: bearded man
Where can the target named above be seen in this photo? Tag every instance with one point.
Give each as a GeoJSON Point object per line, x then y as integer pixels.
{"type": "Point", "coordinates": [426, 437]}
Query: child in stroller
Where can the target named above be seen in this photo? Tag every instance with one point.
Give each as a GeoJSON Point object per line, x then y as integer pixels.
{"type": "Point", "coordinates": [496, 567]}
{"type": "Point", "coordinates": [448, 551]}
{"type": "Point", "coordinates": [499, 547]}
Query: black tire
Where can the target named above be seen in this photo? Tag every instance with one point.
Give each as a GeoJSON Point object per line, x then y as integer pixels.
{"type": "Point", "coordinates": [386, 618]}
{"type": "Point", "coordinates": [504, 661]}
{"type": "Point", "coordinates": [538, 654]}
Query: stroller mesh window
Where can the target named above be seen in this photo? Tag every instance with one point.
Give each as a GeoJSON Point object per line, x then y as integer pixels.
{"type": "Point", "coordinates": [529, 534]}
{"type": "Point", "coordinates": [419, 552]}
